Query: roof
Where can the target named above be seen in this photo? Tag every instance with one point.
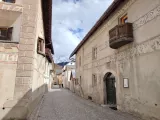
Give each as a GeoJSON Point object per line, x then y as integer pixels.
{"type": "Point", "coordinates": [105, 16]}
{"type": "Point", "coordinates": [47, 19]}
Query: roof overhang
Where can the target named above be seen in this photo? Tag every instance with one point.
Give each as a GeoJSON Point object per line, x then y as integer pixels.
{"type": "Point", "coordinates": [47, 19]}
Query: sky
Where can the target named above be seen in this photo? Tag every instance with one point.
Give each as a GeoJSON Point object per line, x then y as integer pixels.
{"type": "Point", "coordinates": [72, 20]}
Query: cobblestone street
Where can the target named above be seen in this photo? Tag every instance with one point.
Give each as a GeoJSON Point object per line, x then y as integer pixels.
{"type": "Point", "coordinates": [61, 104]}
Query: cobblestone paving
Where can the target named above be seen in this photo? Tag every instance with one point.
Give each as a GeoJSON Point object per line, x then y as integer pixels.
{"type": "Point", "coordinates": [61, 104]}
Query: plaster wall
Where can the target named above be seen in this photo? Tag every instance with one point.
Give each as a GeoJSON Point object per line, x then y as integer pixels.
{"type": "Point", "coordinates": [30, 72]}
{"type": "Point", "coordinates": [137, 61]}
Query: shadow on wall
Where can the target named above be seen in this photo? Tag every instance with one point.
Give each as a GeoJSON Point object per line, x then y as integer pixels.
{"type": "Point", "coordinates": [23, 108]}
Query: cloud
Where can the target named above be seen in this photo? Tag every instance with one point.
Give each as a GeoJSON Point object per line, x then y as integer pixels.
{"type": "Point", "coordinates": [72, 19]}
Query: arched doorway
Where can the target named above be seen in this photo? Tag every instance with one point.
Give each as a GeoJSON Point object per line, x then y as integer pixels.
{"type": "Point", "coordinates": [110, 89]}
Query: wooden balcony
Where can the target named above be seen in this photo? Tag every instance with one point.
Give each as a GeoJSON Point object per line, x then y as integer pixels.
{"type": "Point", "coordinates": [120, 35]}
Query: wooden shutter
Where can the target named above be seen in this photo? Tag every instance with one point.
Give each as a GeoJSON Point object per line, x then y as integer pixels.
{"type": "Point", "coordinates": [9, 33]}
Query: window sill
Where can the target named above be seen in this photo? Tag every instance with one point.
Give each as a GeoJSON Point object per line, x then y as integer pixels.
{"type": "Point", "coordinates": [8, 41]}
{"type": "Point", "coordinates": [41, 53]}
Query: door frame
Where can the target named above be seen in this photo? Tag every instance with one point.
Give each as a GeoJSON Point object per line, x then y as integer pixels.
{"type": "Point", "coordinates": [107, 74]}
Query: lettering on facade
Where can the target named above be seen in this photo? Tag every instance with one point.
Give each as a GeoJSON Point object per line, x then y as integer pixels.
{"type": "Point", "coordinates": [11, 8]}
{"type": "Point", "coordinates": [8, 57]}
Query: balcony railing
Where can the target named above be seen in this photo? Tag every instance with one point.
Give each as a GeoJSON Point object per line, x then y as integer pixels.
{"type": "Point", "coordinates": [120, 35]}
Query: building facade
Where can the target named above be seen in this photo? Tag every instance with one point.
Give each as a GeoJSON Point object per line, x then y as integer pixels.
{"type": "Point", "coordinates": [25, 55]}
{"type": "Point", "coordinates": [69, 70]}
{"type": "Point", "coordinates": [117, 62]}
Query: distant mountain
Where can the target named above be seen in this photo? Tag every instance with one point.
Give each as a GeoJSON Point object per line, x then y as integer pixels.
{"type": "Point", "coordinates": [62, 63]}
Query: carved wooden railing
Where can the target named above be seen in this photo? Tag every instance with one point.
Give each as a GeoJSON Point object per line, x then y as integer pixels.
{"type": "Point", "coordinates": [120, 35]}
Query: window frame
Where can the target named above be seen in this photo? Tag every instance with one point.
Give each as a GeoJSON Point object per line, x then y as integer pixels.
{"type": "Point", "coordinates": [80, 61]}
{"type": "Point", "coordinates": [123, 18]}
{"type": "Point", "coordinates": [80, 80]}
{"type": "Point", "coordinates": [76, 81]}
{"type": "Point", "coordinates": [94, 53]}
{"type": "Point", "coordinates": [9, 34]}
{"type": "Point", "coordinates": [41, 46]}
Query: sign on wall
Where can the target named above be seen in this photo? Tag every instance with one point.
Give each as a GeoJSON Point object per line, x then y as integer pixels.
{"type": "Point", "coordinates": [125, 83]}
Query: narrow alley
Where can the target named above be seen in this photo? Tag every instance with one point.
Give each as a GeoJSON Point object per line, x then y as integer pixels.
{"type": "Point", "coordinates": [61, 104]}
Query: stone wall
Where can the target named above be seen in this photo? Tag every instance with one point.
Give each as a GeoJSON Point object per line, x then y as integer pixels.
{"type": "Point", "coordinates": [137, 61]}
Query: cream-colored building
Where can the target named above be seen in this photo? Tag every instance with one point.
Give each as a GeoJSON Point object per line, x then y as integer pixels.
{"type": "Point", "coordinates": [118, 60]}
{"type": "Point", "coordinates": [68, 69]}
{"type": "Point", "coordinates": [25, 55]}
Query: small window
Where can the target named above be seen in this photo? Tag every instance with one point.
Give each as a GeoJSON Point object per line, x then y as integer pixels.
{"type": "Point", "coordinates": [40, 45]}
{"type": "Point", "coordinates": [94, 53]}
{"type": "Point", "coordinates": [80, 80]}
{"type": "Point", "coordinates": [124, 19]}
{"type": "Point", "coordinates": [76, 81]}
{"type": "Point", "coordinates": [94, 80]}
{"type": "Point", "coordinates": [10, 1]}
{"type": "Point", "coordinates": [76, 63]}
{"type": "Point", "coordinates": [6, 33]}
{"type": "Point", "coordinates": [80, 61]}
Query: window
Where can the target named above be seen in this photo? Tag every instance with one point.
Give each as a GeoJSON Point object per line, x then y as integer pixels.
{"type": "Point", "coordinates": [94, 53]}
{"type": "Point", "coordinates": [80, 80]}
{"type": "Point", "coordinates": [6, 33]}
{"type": "Point", "coordinates": [40, 45]}
{"type": "Point", "coordinates": [76, 81]}
{"type": "Point", "coordinates": [94, 80]}
{"type": "Point", "coordinates": [80, 61]}
{"type": "Point", "coordinates": [124, 19]}
{"type": "Point", "coordinates": [10, 1]}
{"type": "Point", "coordinates": [76, 63]}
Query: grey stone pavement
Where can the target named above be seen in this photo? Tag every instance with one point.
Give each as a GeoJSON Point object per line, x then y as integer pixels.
{"type": "Point", "coordinates": [61, 104]}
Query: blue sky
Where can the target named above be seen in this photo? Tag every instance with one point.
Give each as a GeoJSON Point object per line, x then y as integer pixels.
{"type": "Point", "coordinates": [72, 19]}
